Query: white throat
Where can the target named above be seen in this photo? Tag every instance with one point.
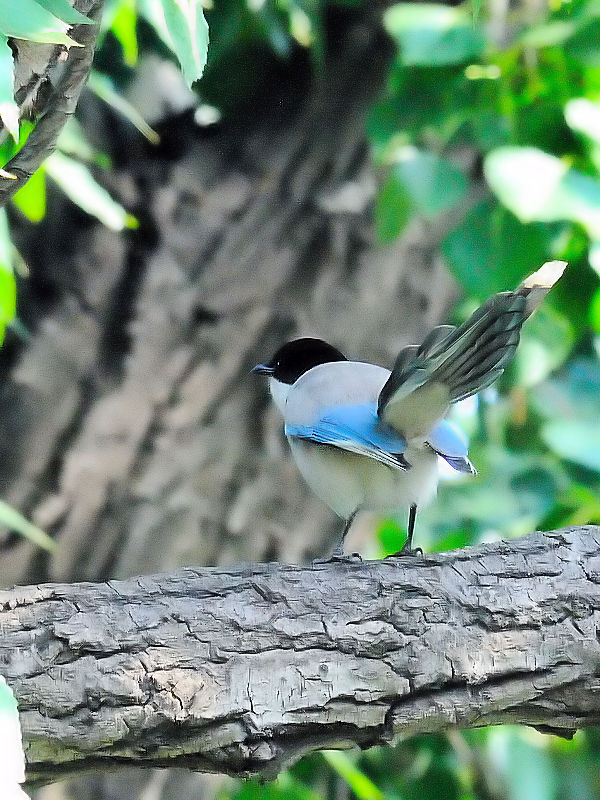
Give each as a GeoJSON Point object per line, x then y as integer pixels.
{"type": "Point", "coordinates": [279, 392]}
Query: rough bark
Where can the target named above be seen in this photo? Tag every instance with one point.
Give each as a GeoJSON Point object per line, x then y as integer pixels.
{"type": "Point", "coordinates": [243, 670]}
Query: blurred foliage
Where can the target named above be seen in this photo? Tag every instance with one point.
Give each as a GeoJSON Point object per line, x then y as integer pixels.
{"type": "Point", "coordinates": [507, 763]}
{"type": "Point", "coordinates": [510, 101]}
{"type": "Point", "coordinates": [490, 120]}
{"type": "Point", "coordinates": [494, 116]}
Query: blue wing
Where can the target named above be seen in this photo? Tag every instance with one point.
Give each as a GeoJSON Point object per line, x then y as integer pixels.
{"type": "Point", "coordinates": [451, 444]}
{"type": "Point", "coordinates": [357, 429]}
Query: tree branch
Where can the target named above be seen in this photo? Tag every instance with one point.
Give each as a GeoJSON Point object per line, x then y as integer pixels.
{"type": "Point", "coordinates": [61, 101]}
{"type": "Point", "coordinates": [243, 670]}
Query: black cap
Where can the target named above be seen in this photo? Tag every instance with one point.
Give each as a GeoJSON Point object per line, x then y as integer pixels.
{"type": "Point", "coordinates": [295, 358]}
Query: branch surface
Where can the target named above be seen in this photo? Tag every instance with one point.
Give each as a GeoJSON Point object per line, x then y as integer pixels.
{"type": "Point", "coordinates": [243, 670]}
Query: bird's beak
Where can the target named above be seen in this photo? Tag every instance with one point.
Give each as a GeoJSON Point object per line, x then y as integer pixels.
{"type": "Point", "coordinates": [262, 369]}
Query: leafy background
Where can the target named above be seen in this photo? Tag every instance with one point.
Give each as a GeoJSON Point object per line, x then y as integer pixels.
{"type": "Point", "coordinates": [490, 118]}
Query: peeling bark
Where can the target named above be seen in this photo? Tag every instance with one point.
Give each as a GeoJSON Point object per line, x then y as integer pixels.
{"type": "Point", "coordinates": [243, 670]}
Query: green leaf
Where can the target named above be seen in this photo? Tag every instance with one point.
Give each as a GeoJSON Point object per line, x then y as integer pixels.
{"type": "Point", "coordinates": [393, 210]}
{"type": "Point", "coordinates": [476, 6]}
{"type": "Point", "coordinates": [103, 87]}
{"type": "Point", "coordinates": [31, 197]}
{"type": "Point", "coordinates": [8, 704]}
{"type": "Point", "coordinates": [12, 758]}
{"type": "Point", "coordinates": [362, 786]}
{"type": "Point", "coordinates": [575, 440]}
{"type": "Point", "coordinates": [8, 291]}
{"type": "Point", "coordinates": [433, 184]}
{"type": "Point", "coordinates": [27, 19]}
{"type": "Point", "coordinates": [9, 110]}
{"type": "Point", "coordinates": [65, 11]}
{"type": "Point", "coordinates": [73, 142]}
{"type": "Point", "coordinates": [542, 121]}
{"type": "Point", "coordinates": [546, 342]}
{"type": "Point", "coordinates": [572, 394]}
{"type": "Point", "coordinates": [124, 28]}
{"type": "Point", "coordinates": [189, 33]}
{"type": "Point", "coordinates": [12, 519]}
{"type": "Point", "coordinates": [432, 34]}
{"type": "Point", "coordinates": [9, 147]}
{"type": "Point", "coordinates": [547, 34]}
{"type": "Point", "coordinates": [491, 251]}
{"type": "Point", "coordinates": [584, 45]}
{"type": "Point", "coordinates": [421, 98]}
{"type": "Point", "coordinates": [583, 116]}
{"type": "Point", "coordinates": [525, 762]}
{"type": "Point", "coordinates": [420, 182]}
{"type": "Point", "coordinates": [391, 535]}
{"type": "Point", "coordinates": [537, 186]}
{"type": "Point", "coordinates": [594, 255]}
{"type": "Point", "coordinates": [595, 311]}
{"type": "Point", "coordinates": [182, 27]}
{"type": "Point", "coordinates": [307, 27]}
{"type": "Point", "coordinates": [78, 183]}
{"type": "Point", "coordinates": [583, 502]}
{"type": "Point", "coordinates": [6, 245]}
{"type": "Point", "coordinates": [285, 787]}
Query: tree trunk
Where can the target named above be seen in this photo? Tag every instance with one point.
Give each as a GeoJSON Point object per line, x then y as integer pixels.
{"type": "Point", "coordinates": [130, 410]}
{"type": "Point", "coordinates": [244, 670]}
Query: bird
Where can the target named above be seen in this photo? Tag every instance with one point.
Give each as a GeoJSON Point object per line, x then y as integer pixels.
{"type": "Point", "coordinates": [366, 438]}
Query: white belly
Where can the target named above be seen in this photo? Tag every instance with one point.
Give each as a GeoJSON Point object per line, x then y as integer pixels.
{"type": "Point", "coordinates": [347, 482]}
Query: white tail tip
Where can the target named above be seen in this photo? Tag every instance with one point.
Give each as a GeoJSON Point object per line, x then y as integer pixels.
{"type": "Point", "coordinates": [546, 276]}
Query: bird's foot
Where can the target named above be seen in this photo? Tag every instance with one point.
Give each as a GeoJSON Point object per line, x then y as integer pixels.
{"type": "Point", "coordinates": [406, 551]}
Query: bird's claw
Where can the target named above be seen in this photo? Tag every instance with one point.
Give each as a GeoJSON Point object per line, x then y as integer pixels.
{"type": "Point", "coordinates": [339, 557]}
{"type": "Point", "coordinates": [406, 551]}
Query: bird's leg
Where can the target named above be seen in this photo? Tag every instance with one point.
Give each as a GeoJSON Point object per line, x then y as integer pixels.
{"type": "Point", "coordinates": [338, 552]}
{"type": "Point", "coordinates": [407, 548]}
{"type": "Point", "coordinates": [412, 516]}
